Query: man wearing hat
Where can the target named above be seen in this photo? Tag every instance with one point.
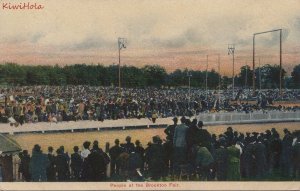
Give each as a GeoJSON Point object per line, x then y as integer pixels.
{"type": "Point", "coordinates": [179, 144]}
{"type": "Point", "coordinates": [296, 156]}
{"type": "Point", "coordinates": [76, 163]}
{"type": "Point", "coordinates": [202, 136]}
{"type": "Point", "coordinates": [38, 165]}
{"type": "Point", "coordinates": [169, 131]}
{"type": "Point", "coordinates": [114, 153]}
{"type": "Point", "coordinates": [156, 158]}
{"type": "Point", "coordinates": [51, 177]}
{"type": "Point", "coordinates": [260, 158]}
{"type": "Point", "coordinates": [128, 146]}
{"type": "Point", "coordinates": [221, 160]}
{"type": "Point", "coordinates": [286, 162]}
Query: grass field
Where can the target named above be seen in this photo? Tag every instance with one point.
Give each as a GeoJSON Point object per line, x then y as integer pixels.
{"type": "Point", "coordinates": [69, 140]}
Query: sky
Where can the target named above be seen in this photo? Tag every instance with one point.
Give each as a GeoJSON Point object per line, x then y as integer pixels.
{"type": "Point", "coordinates": [171, 33]}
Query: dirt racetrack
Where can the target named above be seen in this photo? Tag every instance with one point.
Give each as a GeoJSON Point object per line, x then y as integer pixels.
{"type": "Point", "coordinates": [69, 140]}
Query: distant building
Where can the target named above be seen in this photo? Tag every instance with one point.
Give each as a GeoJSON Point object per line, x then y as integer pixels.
{"type": "Point", "coordinates": [8, 148]}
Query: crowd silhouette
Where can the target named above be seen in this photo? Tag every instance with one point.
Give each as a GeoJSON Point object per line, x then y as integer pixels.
{"type": "Point", "coordinates": [189, 152]}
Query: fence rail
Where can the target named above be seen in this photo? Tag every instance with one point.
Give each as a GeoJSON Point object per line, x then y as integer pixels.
{"type": "Point", "coordinates": [235, 117]}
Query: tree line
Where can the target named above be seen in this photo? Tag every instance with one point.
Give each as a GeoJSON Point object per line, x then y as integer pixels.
{"type": "Point", "coordinates": [267, 76]}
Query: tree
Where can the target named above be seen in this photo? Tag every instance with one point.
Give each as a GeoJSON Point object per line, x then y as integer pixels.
{"type": "Point", "coordinates": [296, 76]}
{"type": "Point", "coordinates": [245, 77]}
{"type": "Point", "coordinates": [154, 75]}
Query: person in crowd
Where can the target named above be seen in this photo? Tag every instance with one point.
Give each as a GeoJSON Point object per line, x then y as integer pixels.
{"type": "Point", "coordinates": [168, 145]}
{"type": "Point", "coordinates": [97, 166]}
{"type": "Point", "coordinates": [51, 173]}
{"type": "Point", "coordinates": [128, 146]}
{"type": "Point", "coordinates": [155, 155]}
{"type": "Point", "coordinates": [62, 167]}
{"type": "Point", "coordinates": [204, 162]}
{"type": "Point", "coordinates": [179, 145]}
{"type": "Point", "coordinates": [141, 152]}
{"type": "Point", "coordinates": [24, 166]}
{"type": "Point", "coordinates": [114, 153]}
{"type": "Point", "coordinates": [296, 156]}
{"type": "Point", "coordinates": [135, 164]}
{"type": "Point", "coordinates": [286, 160]}
{"type": "Point", "coordinates": [221, 160]}
{"type": "Point", "coordinates": [76, 163]}
{"type": "Point", "coordinates": [38, 165]}
{"type": "Point", "coordinates": [260, 159]}
{"type": "Point", "coordinates": [233, 170]}
{"type": "Point", "coordinates": [85, 165]}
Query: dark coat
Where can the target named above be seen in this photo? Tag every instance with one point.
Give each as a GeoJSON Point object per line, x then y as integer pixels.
{"type": "Point", "coordinates": [24, 167]}
{"type": "Point", "coordinates": [260, 158]}
{"type": "Point", "coordinates": [115, 151]}
{"type": "Point", "coordinates": [97, 166]}
{"type": "Point", "coordinates": [38, 165]}
{"type": "Point", "coordinates": [51, 169]}
{"type": "Point", "coordinates": [76, 162]}
{"type": "Point", "coordinates": [155, 154]}
{"type": "Point", "coordinates": [62, 167]}
{"type": "Point", "coordinates": [221, 161]}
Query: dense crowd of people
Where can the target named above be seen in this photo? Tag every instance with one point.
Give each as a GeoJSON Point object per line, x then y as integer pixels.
{"type": "Point", "coordinates": [19, 105]}
{"type": "Point", "coordinates": [189, 152]}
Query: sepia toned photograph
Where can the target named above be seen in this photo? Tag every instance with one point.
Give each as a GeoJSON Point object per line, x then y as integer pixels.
{"type": "Point", "coordinates": [149, 95]}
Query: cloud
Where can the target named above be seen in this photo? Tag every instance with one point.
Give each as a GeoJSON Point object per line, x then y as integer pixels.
{"type": "Point", "coordinates": [92, 42]}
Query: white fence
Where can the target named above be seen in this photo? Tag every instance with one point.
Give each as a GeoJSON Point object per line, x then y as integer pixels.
{"type": "Point", "coordinates": [235, 117]}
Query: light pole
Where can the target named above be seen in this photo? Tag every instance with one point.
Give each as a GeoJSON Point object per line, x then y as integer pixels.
{"type": "Point", "coordinates": [259, 74]}
{"type": "Point", "coordinates": [189, 75]}
{"type": "Point", "coordinates": [121, 45]}
{"type": "Point", "coordinates": [280, 57]}
{"type": "Point", "coordinates": [231, 49]}
{"type": "Point", "coordinates": [206, 77]}
{"type": "Point", "coordinates": [246, 77]}
{"type": "Point", "coordinates": [219, 68]}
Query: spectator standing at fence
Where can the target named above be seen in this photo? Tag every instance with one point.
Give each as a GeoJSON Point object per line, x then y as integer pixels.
{"type": "Point", "coordinates": [259, 153]}
{"type": "Point", "coordinates": [128, 146]}
{"type": "Point", "coordinates": [179, 145]}
{"type": "Point", "coordinates": [141, 152]}
{"type": "Point", "coordinates": [51, 174]}
{"type": "Point", "coordinates": [103, 154]}
{"type": "Point", "coordinates": [76, 163]}
{"type": "Point", "coordinates": [202, 136]}
{"type": "Point", "coordinates": [38, 165]}
{"type": "Point", "coordinates": [85, 165]}
{"type": "Point", "coordinates": [204, 162]}
{"type": "Point", "coordinates": [114, 153]}
{"type": "Point", "coordinates": [233, 171]}
{"type": "Point", "coordinates": [168, 145]}
{"type": "Point", "coordinates": [24, 166]}
{"type": "Point", "coordinates": [62, 166]}
{"type": "Point", "coordinates": [221, 160]}
{"type": "Point", "coordinates": [155, 154]}
{"type": "Point", "coordinates": [296, 157]}
{"type": "Point", "coordinates": [275, 152]}
{"type": "Point", "coordinates": [286, 162]}
{"type": "Point", "coordinates": [97, 166]}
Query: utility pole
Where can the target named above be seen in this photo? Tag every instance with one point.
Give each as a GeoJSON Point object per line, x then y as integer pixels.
{"type": "Point", "coordinates": [189, 75]}
{"type": "Point", "coordinates": [259, 75]}
{"type": "Point", "coordinates": [206, 75]}
{"type": "Point", "coordinates": [219, 68]}
{"type": "Point", "coordinates": [246, 78]}
{"type": "Point", "coordinates": [231, 49]}
{"type": "Point", "coordinates": [121, 45]}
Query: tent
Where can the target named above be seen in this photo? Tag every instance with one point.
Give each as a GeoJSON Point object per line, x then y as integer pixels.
{"type": "Point", "coordinates": [8, 148]}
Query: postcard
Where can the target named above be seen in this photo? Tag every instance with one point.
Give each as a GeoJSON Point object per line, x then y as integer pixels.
{"type": "Point", "coordinates": [149, 95]}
